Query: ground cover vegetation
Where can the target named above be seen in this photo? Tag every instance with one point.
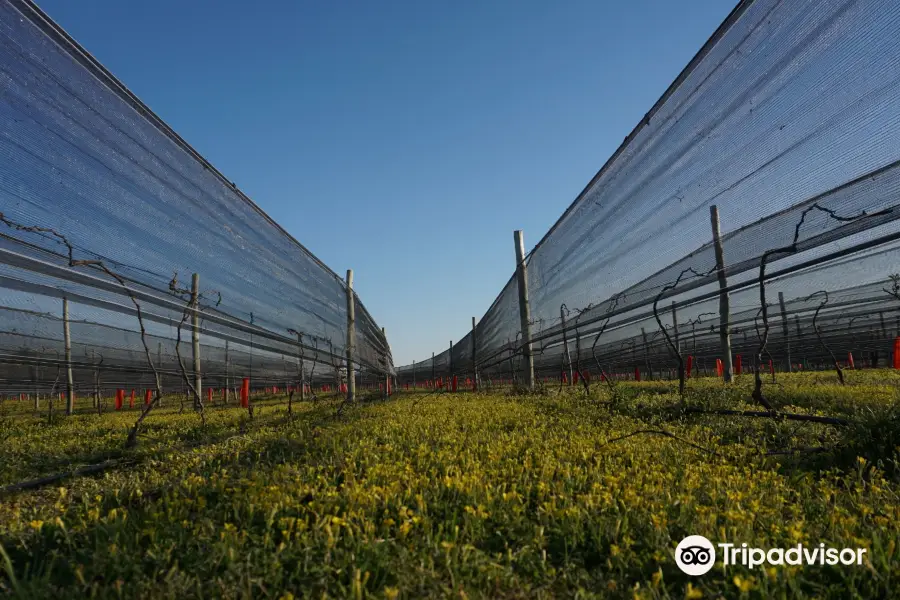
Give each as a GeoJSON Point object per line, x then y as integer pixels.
{"type": "Point", "coordinates": [500, 494]}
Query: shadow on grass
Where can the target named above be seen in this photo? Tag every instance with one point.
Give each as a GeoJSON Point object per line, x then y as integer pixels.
{"type": "Point", "coordinates": [159, 439]}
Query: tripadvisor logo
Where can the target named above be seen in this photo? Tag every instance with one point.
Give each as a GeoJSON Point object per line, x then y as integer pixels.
{"type": "Point", "coordinates": [696, 555]}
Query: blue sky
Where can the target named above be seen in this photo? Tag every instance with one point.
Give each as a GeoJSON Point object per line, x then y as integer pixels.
{"type": "Point", "coordinates": [405, 140]}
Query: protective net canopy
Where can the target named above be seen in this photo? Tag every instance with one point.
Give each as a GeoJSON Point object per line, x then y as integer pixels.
{"type": "Point", "coordinates": [104, 205]}
{"type": "Point", "coordinates": [786, 121]}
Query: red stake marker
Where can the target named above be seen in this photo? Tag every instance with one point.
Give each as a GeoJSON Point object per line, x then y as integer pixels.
{"type": "Point", "coordinates": [245, 393]}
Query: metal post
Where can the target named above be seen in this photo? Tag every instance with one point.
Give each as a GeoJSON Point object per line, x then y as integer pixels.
{"type": "Point", "coordinates": [70, 384]}
{"type": "Point", "coordinates": [351, 338]}
{"type": "Point", "coordinates": [883, 328]}
{"type": "Point", "coordinates": [195, 334]}
{"type": "Point", "coordinates": [562, 318]}
{"type": "Point", "coordinates": [724, 309]}
{"type": "Point", "coordinates": [785, 330]}
{"type": "Point", "coordinates": [474, 354]}
{"type": "Point", "coordinates": [432, 369]}
{"type": "Point", "coordinates": [450, 359]}
{"type": "Point", "coordinates": [524, 308]}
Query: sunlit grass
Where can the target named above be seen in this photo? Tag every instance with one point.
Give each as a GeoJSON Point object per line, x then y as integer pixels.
{"type": "Point", "coordinates": [466, 495]}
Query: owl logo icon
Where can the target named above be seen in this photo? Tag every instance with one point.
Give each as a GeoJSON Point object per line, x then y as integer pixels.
{"type": "Point", "coordinates": [695, 555]}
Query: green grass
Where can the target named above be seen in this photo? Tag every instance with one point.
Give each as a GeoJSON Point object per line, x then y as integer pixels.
{"type": "Point", "coordinates": [466, 495]}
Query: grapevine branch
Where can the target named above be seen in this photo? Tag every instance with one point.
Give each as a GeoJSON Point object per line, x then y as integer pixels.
{"type": "Point", "coordinates": [193, 304]}
{"type": "Point", "coordinates": [673, 348]}
{"type": "Point", "coordinates": [837, 367]}
{"type": "Point", "coordinates": [661, 432]}
{"type": "Point", "coordinates": [791, 249]}
{"type": "Point", "coordinates": [72, 263]}
{"type": "Point", "coordinates": [567, 366]}
{"type": "Point", "coordinates": [581, 373]}
{"type": "Point", "coordinates": [300, 366]}
{"type": "Point", "coordinates": [698, 320]}
{"type": "Point", "coordinates": [759, 336]}
{"type": "Point", "coordinates": [895, 286]}
{"type": "Point", "coordinates": [613, 303]}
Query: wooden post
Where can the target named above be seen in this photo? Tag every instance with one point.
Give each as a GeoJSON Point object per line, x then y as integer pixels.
{"type": "Point", "coordinates": [70, 384]}
{"type": "Point", "coordinates": [34, 380]}
{"type": "Point", "coordinates": [524, 308]}
{"type": "Point", "coordinates": [785, 330]}
{"type": "Point", "coordinates": [724, 309]}
{"type": "Point", "coordinates": [696, 359]}
{"type": "Point", "coordinates": [562, 319]}
{"type": "Point", "coordinates": [351, 338]}
{"type": "Point", "coordinates": [799, 335]}
{"type": "Point", "coordinates": [195, 334]}
{"type": "Point", "coordinates": [474, 356]}
{"type": "Point", "coordinates": [159, 401]}
{"type": "Point", "coordinates": [634, 362]}
{"type": "Point", "coordinates": [675, 328]}
{"type": "Point", "coordinates": [96, 401]}
{"type": "Point", "coordinates": [300, 365]}
{"type": "Point", "coordinates": [387, 375]}
{"type": "Point", "coordinates": [578, 350]}
{"type": "Point", "coordinates": [647, 355]}
{"type": "Point", "coordinates": [227, 378]}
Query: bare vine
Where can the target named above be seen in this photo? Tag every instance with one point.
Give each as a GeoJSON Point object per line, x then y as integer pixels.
{"type": "Point", "coordinates": [98, 264]}
{"type": "Point", "coordinates": [579, 371]}
{"type": "Point", "coordinates": [791, 249]}
{"type": "Point", "coordinates": [613, 303]}
{"type": "Point", "coordinates": [193, 304]}
{"type": "Point", "coordinates": [815, 325]}
{"type": "Point", "coordinates": [673, 347]}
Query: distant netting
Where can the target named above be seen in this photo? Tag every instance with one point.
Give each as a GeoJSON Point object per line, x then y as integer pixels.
{"type": "Point", "coordinates": [787, 121]}
{"type": "Point", "coordinates": [89, 173]}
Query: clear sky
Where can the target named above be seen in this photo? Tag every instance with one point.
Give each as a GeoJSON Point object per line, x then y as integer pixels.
{"type": "Point", "coordinates": [404, 139]}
